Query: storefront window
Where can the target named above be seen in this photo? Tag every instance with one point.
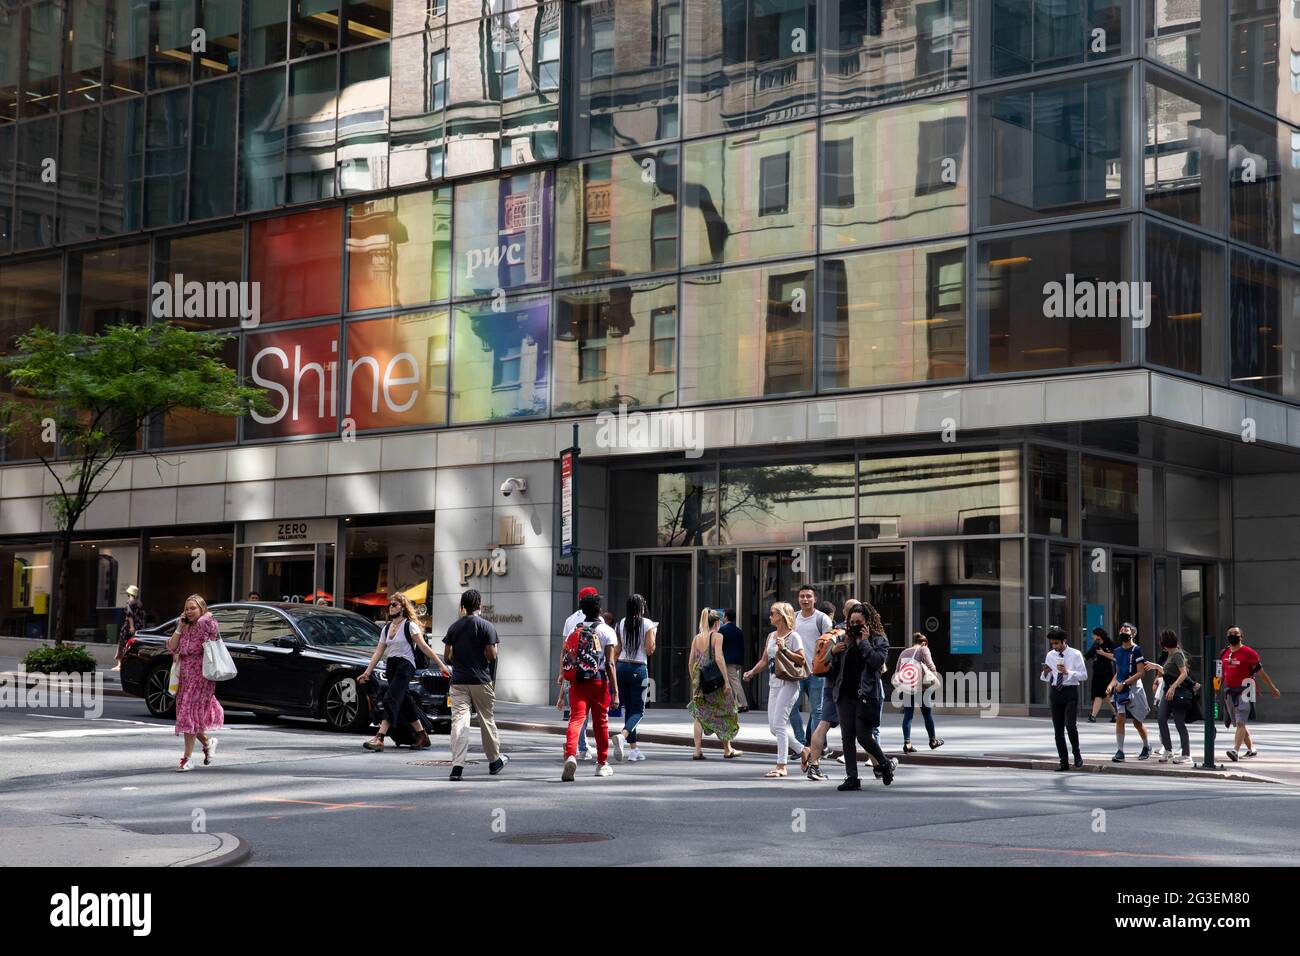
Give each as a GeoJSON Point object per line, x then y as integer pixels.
{"type": "Point", "coordinates": [417, 147]}
{"type": "Point", "coordinates": [1032, 35]}
{"type": "Point", "coordinates": [108, 286]}
{"type": "Point", "coordinates": [501, 360]}
{"type": "Point", "coordinates": [1195, 515]}
{"type": "Point", "coordinates": [895, 174]}
{"type": "Point", "coordinates": [616, 216]}
{"type": "Point", "coordinates": [652, 508]}
{"type": "Point", "coordinates": [298, 262]}
{"type": "Point", "coordinates": [1057, 299]}
{"type": "Point", "coordinates": [616, 346]}
{"type": "Point", "coordinates": [1265, 170]}
{"type": "Point", "coordinates": [1262, 35]}
{"type": "Point", "coordinates": [967, 597]}
{"type": "Point", "coordinates": [1187, 302]}
{"type": "Point", "coordinates": [386, 556]}
{"type": "Point", "coordinates": [749, 196]}
{"type": "Point", "coordinates": [99, 572]}
{"type": "Point", "coordinates": [747, 333]}
{"type": "Point", "coordinates": [399, 250]}
{"type": "Point", "coordinates": [298, 369]}
{"type": "Point", "coordinates": [1264, 303]}
{"type": "Point", "coordinates": [262, 118]}
{"type": "Point", "coordinates": [923, 496]}
{"type": "Point", "coordinates": [879, 50]}
{"type": "Point", "coordinates": [180, 565]}
{"type": "Point", "coordinates": [26, 586]}
{"type": "Point", "coordinates": [763, 504]}
{"type": "Point", "coordinates": [625, 94]}
{"type": "Point", "coordinates": [1118, 502]}
{"type": "Point", "coordinates": [756, 64]}
{"type": "Point", "coordinates": [1183, 166]}
{"type": "Point", "coordinates": [503, 233]}
{"type": "Point", "coordinates": [363, 121]}
{"type": "Point", "coordinates": [1049, 491]}
{"type": "Point", "coordinates": [1188, 37]}
{"type": "Point", "coordinates": [1054, 150]}
{"type": "Point", "coordinates": [396, 371]}
{"type": "Point", "coordinates": [893, 316]}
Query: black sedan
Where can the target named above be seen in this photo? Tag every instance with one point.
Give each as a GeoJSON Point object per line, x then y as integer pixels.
{"type": "Point", "coordinates": [297, 659]}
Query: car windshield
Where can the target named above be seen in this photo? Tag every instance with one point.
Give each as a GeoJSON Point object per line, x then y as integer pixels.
{"type": "Point", "coordinates": [339, 629]}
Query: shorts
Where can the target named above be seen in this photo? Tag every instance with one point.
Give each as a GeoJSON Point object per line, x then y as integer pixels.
{"type": "Point", "coordinates": [1238, 707]}
{"type": "Point", "coordinates": [829, 713]}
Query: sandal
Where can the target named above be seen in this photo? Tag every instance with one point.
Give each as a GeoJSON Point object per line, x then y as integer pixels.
{"type": "Point", "coordinates": [778, 772]}
{"type": "Point", "coordinates": [805, 758]}
{"type": "Point", "coordinates": [734, 753]}
{"type": "Point", "coordinates": [375, 743]}
{"type": "Point", "coordinates": [699, 757]}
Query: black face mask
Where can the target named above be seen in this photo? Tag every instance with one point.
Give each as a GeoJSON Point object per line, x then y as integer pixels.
{"type": "Point", "coordinates": [857, 629]}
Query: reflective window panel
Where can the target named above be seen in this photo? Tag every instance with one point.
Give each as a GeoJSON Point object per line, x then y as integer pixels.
{"type": "Point", "coordinates": [44, 21]}
{"type": "Point", "coordinates": [314, 27]}
{"type": "Point", "coordinates": [399, 250]}
{"type": "Point", "coordinates": [83, 55]}
{"type": "Point", "coordinates": [396, 371]}
{"type": "Point", "coordinates": [29, 298]}
{"type": "Point", "coordinates": [1057, 299]}
{"type": "Point", "coordinates": [309, 146]}
{"type": "Point", "coordinates": [171, 26]}
{"type": "Point", "coordinates": [1118, 501]}
{"type": "Point", "coordinates": [764, 504]}
{"type": "Point", "coordinates": [654, 507]}
{"type": "Point", "coordinates": [879, 50]}
{"type": "Point", "coordinates": [417, 147]}
{"type": "Point", "coordinates": [34, 198]}
{"type": "Point", "coordinates": [298, 262]}
{"type": "Point", "coordinates": [503, 233]}
{"type": "Point", "coordinates": [1264, 55]}
{"type": "Point", "coordinates": [616, 216]}
{"type": "Point", "coordinates": [918, 496]}
{"type": "Point", "coordinates": [1187, 36]}
{"type": "Point", "coordinates": [8, 149]}
{"type": "Point", "coordinates": [1027, 36]}
{"type": "Point", "coordinates": [500, 360]}
{"type": "Point", "coordinates": [122, 167]}
{"type": "Point", "coordinates": [128, 44]}
{"type": "Point", "coordinates": [365, 21]}
{"type": "Point", "coordinates": [262, 117]}
{"type": "Point", "coordinates": [1263, 303]}
{"type": "Point", "coordinates": [11, 39]}
{"type": "Point", "coordinates": [1049, 491]}
{"type": "Point", "coordinates": [527, 45]}
{"type": "Point", "coordinates": [166, 151]}
{"type": "Point", "coordinates": [108, 286]}
{"type": "Point", "coordinates": [266, 33]}
{"type": "Point", "coordinates": [745, 335]}
{"type": "Point", "coordinates": [749, 62]}
{"type": "Point", "coordinates": [1054, 150]}
{"type": "Point", "coordinates": [212, 176]}
{"type": "Point", "coordinates": [79, 176]}
{"type": "Point", "coordinates": [1187, 277]}
{"type": "Point", "coordinates": [1183, 166]}
{"type": "Point", "coordinates": [473, 98]}
{"type": "Point", "coordinates": [363, 120]}
{"type": "Point", "coordinates": [298, 369]}
{"type": "Point", "coordinates": [625, 74]}
{"type": "Point", "coordinates": [892, 174]}
{"type": "Point", "coordinates": [749, 196]}
{"type": "Point", "coordinates": [220, 22]}
{"type": "Point", "coordinates": [893, 316]}
{"type": "Point", "coordinates": [616, 346]}
{"type": "Point", "coordinates": [188, 427]}
{"type": "Point", "coordinates": [215, 261]}
{"type": "Point", "coordinates": [1264, 163]}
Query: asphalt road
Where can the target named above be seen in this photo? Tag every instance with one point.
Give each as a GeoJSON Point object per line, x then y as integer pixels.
{"type": "Point", "coordinates": [298, 794]}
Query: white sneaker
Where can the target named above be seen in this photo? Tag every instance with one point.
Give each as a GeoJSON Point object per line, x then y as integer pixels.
{"type": "Point", "coordinates": [584, 754]}
{"type": "Point", "coordinates": [634, 755]}
{"type": "Point", "coordinates": [1182, 758]}
{"type": "Point", "coordinates": [604, 770]}
{"type": "Point", "coordinates": [210, 751]}
{"type": "Point", "coordinates": [570, 768]}
{"type": "Point", "coordinates": [1164, 756]}
{"type": "Point", "coordinates": [187, 763]}
{"type": "Point", "coordinates": [620, 748]}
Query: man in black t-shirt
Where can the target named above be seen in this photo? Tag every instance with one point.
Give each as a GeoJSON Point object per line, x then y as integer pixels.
{"type": "Point", "coordinates": [472, 648]}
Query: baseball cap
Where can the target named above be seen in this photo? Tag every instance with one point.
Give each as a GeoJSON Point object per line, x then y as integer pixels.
{"type": "Point", "coordinates": [586, 593]}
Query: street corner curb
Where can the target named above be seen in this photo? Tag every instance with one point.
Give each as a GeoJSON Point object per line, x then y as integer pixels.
{"type": "Point", "coordinates": [231, 851]}
{"type": "Point", "coordinates": [954, 760]}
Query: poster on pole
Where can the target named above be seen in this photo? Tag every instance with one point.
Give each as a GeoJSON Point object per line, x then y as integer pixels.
{"type": "Point", "coordinates": [566, 503]}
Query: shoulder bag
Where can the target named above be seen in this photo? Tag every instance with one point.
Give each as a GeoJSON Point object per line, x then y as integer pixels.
{"type": "Point", "coordinates": [218, 665]}
{"type": "Point", "coordinates": [789, 665]}
{"type": "Point", "coordinates": [711, 676]}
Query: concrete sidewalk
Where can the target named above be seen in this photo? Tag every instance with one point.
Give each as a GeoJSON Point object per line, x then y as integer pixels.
{"type": "Point", "coordinates": [48, 839]}
{"type": "Point", "coordinates": [1012, 742]}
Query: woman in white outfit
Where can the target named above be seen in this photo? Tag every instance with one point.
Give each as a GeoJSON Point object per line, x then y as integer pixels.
{"type": "Point", "coordinates": [781, 693]}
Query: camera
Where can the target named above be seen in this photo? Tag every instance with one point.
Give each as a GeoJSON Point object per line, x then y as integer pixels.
{"type": "Point", "coordinates": [511, 485]}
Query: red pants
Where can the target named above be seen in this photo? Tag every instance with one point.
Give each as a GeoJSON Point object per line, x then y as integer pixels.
{"type": "Point", "coordinates": [584, 696]}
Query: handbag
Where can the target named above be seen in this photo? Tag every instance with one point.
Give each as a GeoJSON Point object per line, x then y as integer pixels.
{"type": "Point", "coordinates": [174, 677]}
{"type": "Point", "coordinates": [217, 662]}
{"type": "Point", "coordinates": [789, 665]}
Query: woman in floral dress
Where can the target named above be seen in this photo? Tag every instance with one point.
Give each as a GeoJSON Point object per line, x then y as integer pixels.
{"type": "Point", "coordinates": [714, 712]}
{"type": "Point", "coordinates": [197, 709]}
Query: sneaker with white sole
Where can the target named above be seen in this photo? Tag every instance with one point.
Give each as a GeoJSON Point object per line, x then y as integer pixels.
{"type": "Point", "coordinates": [604, 770]}
{"type": "Point", "coordinates": [570, 768]}
{"type": "Point", "coordinates": [584, 754]}
{"type": "Point", "coordinates": [1163, 756]}
{"type": "Point", "coordinates": [1182, 758]}
{"type": "Point", "coordinates": [209, 751]}
{"type": "Point", "coordinates": [634, 755]}
{"type": "Point", "coordinates": [1233, 756]}
{"type": "Point", "coordinates": [187, 763]}
{"type": "Point", "coordinates": [620, 748]}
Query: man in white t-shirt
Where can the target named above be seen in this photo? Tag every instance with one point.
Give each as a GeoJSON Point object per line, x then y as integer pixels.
{"type": "Point", "coordinates": [570, 622]}
{"type": "Point", "coordinates": [810, 624]}
{"type": "Point", "coordinates": [592, 693]}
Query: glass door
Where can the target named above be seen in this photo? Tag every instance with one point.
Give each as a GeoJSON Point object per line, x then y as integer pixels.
{"type": "Point", "coordinates": [883, 583]}
{"type": "Point", "coordinates": [288, 576]}
{"type": "Point", "coordinates": [767, 577]}
{"type": "Point", "coordinates": [1197, 588]}
{"type": "Point", "coordinates": [664, 579]}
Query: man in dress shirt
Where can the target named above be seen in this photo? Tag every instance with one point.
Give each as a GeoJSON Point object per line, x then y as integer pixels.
{"type": "Point", "coordinates": [1064, 670]}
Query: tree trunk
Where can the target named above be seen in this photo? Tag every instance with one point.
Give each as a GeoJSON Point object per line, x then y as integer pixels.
{"type": "Point", "coordinates": [61, 589]}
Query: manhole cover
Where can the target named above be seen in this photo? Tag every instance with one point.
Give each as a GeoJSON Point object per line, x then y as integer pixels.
{"type": "Point", "coordinates": [552, 839]}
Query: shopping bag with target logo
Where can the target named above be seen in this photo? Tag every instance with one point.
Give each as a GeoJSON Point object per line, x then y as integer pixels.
{"type": "Point", "coordinates": [909, 675]}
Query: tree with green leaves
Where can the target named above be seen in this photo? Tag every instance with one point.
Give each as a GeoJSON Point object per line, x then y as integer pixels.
{"type": "Point", "coordinates": [88, 397]}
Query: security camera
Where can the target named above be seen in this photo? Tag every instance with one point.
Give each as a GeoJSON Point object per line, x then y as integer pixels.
{"type": "Point", "coordinates": [511, 485]}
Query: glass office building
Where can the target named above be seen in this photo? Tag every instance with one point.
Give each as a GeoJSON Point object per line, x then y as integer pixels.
{"type": "Point", "coordinates": [989, 306]}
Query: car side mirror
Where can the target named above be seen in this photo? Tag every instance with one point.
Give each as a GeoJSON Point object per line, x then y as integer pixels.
{"type": "Point", "coordinates": [288, 641]}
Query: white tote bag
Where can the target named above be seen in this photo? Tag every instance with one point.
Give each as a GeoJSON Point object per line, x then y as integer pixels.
{"type": "Point", "coordinates": [217, 662]}
{"type": "Point", "coordinates": [174, 677]}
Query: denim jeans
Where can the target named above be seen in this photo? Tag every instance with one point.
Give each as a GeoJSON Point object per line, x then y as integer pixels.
{"type": "Point", "coordinates": [633, 688]}
{"type": "Point", "coordinates": [812, 686]}
{"type": "Point", "coordinates": [927, 714]}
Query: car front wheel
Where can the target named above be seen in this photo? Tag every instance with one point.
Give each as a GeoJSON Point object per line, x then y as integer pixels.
{"type": "Point", "coordinates": [156, 698]}
{"type": "Point", "coordinates": [346, 709]}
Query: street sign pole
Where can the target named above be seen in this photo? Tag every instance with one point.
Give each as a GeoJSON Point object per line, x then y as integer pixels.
{"type": "Point", "coordinates": [569, 509]}
{"type": "Point", "coordinates": [1209, 697]}
{"type": "Point", "coordinates": [576, 508]}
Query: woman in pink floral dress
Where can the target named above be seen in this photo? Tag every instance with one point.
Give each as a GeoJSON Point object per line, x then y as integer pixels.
{"type": "Point", "coordinates": [197, 708]}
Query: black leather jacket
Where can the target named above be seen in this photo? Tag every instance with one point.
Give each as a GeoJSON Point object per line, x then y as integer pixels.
{"type": "Point", "coordinates": [864, 658]}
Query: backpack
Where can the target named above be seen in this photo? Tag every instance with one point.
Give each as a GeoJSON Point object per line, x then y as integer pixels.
{"type": "Point", "coordinates": [421, 659]}
{"type": "Point", "coordinates": [821, 662]}
{"type": "Point", "coordinates": [584, 660]}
